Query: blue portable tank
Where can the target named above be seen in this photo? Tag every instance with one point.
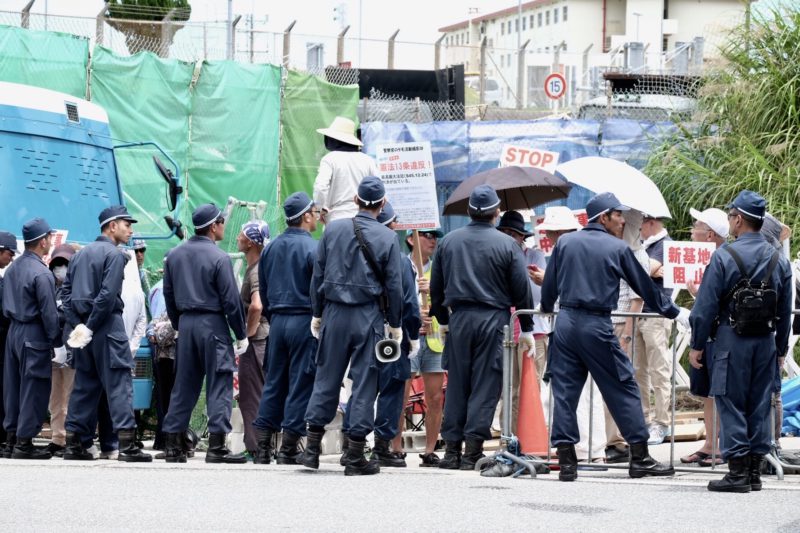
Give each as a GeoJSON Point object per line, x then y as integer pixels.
{"type": "Point", "coordinates": [143, 377]}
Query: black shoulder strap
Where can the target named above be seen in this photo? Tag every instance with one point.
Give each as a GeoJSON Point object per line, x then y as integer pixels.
{"type": "Point", "coordinates": [373, 264]}
{"type": "Point", "coordinates": [771, 268]}
{"type": "Point", "coordinates": [738, 260]}
{"type": "Point", "coordinates": [773, 262]}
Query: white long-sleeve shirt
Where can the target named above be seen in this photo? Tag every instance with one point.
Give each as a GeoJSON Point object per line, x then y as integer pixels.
{"type": "Point", "coordinates": [337, 182]}
{"type": "Point", "coordinates": [134, 314]}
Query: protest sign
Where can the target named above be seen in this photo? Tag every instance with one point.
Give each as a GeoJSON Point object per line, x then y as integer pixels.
{"type": "Point", "coordinates": [407, 172]}
{"type": "Point", "coordinates": [685, 261]}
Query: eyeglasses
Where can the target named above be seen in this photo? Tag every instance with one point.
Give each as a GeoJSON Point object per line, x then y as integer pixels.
{"type": "Point", "coordinates": [431, 236]}
{"type": "Point", "coordinates": [733, 215]}
{"type": "Point", "coordinates": [316, 213]}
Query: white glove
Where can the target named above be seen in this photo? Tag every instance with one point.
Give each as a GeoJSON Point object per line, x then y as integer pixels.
{"type": "Point", "coordinates": [683, 318]}
{"type": "Point", "coordinates": [414, 352]}
{"type": "Point", "coordinates": [239, 347]}
{"type": "Point", "coordinates": [60, 355]}
{"type": "Point", "coordinates": [444, 329]}
{"type": "Point", "coordinates": [396, 333]}
{"type": "Point", "coordinates": [316, 326]}
{"type": "Point", "coordinates": [80, 336]}
{"type": "Point", "coordinates": [526, 343]}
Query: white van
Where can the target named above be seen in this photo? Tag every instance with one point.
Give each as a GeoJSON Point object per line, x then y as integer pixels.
{"type": "Point", "coordinates": [493, 93]}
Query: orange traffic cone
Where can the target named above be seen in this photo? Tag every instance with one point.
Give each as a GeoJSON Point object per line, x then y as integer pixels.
{"type": "Point", "coordinates": [531, 424]}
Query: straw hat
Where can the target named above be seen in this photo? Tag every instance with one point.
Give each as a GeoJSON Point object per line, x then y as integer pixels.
{"type": "Point", "coordinates": [342, 129]}
{"type": "Point", "coordinates": [559, 218]}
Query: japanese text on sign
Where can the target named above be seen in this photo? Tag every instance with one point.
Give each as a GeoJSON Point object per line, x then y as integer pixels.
{"type": "Point", "coordinates": [685, 261]}
{"type": "Point", "coordinates": [59, 238]}
{"type": "Point", "coordinates": [543, 242]}
{"type": "Point", "coordinates": [407, 172]}
{"type": "Point", "coordinates": [523, 156]}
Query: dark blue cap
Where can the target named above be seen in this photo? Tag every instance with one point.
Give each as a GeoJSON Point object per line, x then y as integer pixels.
{"type": "Point", "coordinates": [371, 190]}
{"type": "Point", "coordinates": [603, 203]}
{"type": "Point", "coordinates": [296, 205]}
{"type": "Point", "coordinates": [8, 241]}
{"type": "Point", "coordinates": [749, 203]}
{"type": "Point", "coordinates": [115, 212]}
{"type": "Point", "coordinates": [483, 199]}
{"type": "Point", "coordinates": [35, 229]}
{"type": "Point", "coordinates": [387, 214]}
{"type": "Point", "coordinates": [205, 215]}
{"type": "Point", "coordinates": [514, 221]}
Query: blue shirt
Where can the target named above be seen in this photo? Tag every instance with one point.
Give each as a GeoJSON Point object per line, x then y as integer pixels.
{"type": "Point", "coordinates": [284, 273]}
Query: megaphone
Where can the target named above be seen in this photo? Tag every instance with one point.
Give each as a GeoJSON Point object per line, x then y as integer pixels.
{"type": "Point", "coordinates": [387, 350]}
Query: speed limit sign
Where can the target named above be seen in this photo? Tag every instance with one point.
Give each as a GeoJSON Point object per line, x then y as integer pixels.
{"type": "Point", "coordinates": [555, 85]}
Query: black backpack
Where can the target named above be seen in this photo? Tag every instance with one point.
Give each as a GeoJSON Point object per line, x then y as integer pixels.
{"type": "Point", "coordinates": [753, 306]}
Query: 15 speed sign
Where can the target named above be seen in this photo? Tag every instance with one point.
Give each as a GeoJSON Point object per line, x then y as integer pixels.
{"type": "Point", "coordinates": [555, 85]}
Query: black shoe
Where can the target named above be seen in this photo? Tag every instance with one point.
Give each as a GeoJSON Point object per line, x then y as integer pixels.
{"type": "Point", "coordinates": [160, 441]}
{"type": "Point", "coordinates": [755, 471]}
{"type": "Point", "coordinates": [8, 446]}
{"type": "Point", "coordinates": [473, 452]}
{"type": "Point", "coordinates": [129, 452]}
{"type": "Point", "coordinates": [174, 448]}
{"type": "Point", "coordinates": [24, 449]}
{"type": "Point", "coordinates": [642, 464]}
{"type": "Point", "coordinates": [345, 444]}
{"type": "Point", "coordinates": [219, 453]}
{"type": "Point", "coordinates": [384, 457]}
{"type": "Point", "coordinates": [567, 462]}
{"type": "Point", "coordinates": [737, 479]}
{"type": "Point", "coordinates": [356, 464]}
{"type": "Point", "coordinates": [310, 457]}
{"type": "Point", "coordinates": [56, 450]}
{"type": "Point", "coordinates": [263, 455]}
{"type": "Point", "coordinates": [452, 456]}
{"type": "Point", "coordinates": [429, 460]}
{"type": "Point", "coordinates": [289, 454]}
{"type": "Point", "coordinates": [617, 455]}
{"type": "Point", "coordinates": [74, 451]}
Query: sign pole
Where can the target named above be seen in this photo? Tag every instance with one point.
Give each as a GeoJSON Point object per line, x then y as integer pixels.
{"type": "Point", "coordinates": [417, 258]}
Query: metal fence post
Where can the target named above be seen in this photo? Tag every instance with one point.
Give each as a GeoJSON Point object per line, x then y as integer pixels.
{"type": "Point", "coordinates": [520, 75]}
{"type": "Point", "coordinates": [482, 75]}
{"type": "Point", "coordinates": [25, 15]}
{"type": "Point", "coordinates": [437, 53]}
{"type": "Point", "coordinates": [340, 46]}
{"type": "Point", "coordinates": [232, 51]}
{"type": "Point", "coordinates": [99, 30]}
{"type": "Point", "coordinates": [390, 60]}
{"type": "Point", "coordinates": [287, 43]}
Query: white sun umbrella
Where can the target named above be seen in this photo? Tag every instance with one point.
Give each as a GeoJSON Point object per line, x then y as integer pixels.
{"type": "Point", "coordinates": [631, 186]}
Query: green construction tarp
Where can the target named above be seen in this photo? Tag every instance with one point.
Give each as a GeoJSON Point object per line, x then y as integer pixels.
{"type": "Point", "coordinates": [50, 60]}
{"type": "Point", "coordinates": [235, 137]}
{"type": "Point", "coordinates": [147, 99]}
{"type": "Point", "coordinates": [309, 103]}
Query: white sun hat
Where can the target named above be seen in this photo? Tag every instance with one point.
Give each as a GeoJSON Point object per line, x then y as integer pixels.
{"type": "Point", "coordinates": [559, 218]}
{"type": "Point", "coordinates": [342, 129]}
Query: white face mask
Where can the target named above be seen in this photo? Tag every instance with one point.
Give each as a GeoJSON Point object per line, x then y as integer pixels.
{"type": "Point", "coordinates": [60, 272]}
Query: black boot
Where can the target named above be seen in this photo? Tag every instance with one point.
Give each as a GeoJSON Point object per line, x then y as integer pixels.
{"type": "Point", "coordinates": [219, 453]}
{"type": "Point", "coordinates": [355, 462]}
{"type": "Point", "coordinates": [345, 444]}
{"type": "Point", "coordinates": [310, 457]}
{"type": "Point", "coordinates": [74, 450]}
{"type": "Point", "coordinates": [737, 479]}
{"type": "Point", "coordinates": [755, 471]}
{"type": "Point", "coordinates": [452, 455]}
{"type": "Point", "coordinates": [384, 456]}
{"type": "Point", "coordinates": [263, 455]}
{"type": "Point", "coordinates": [617, 455]}
{"type": "Point", "coordinates": [8, 445]}
{"type": "Point", "coordinates": [289, 454]}
{"type": "Point", "coordinates": [173, 448]}
{"type": "Point", "coordinates": [567, 462]}
{"type": "Point", "coordinates": [129, 452]}
{"type": "Point", "coordinates": [24, 449]}
{"type": "Point", "coordinates": [642, 464]}
{"type": "Point", "coordinates": [473, 452]}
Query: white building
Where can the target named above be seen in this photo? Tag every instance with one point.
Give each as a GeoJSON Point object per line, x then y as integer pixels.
{"type": "Point", "coordinates": [586, 33]}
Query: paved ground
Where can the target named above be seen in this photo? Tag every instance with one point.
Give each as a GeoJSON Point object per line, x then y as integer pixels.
{"type": "Point", "coordinates": [112, 496]}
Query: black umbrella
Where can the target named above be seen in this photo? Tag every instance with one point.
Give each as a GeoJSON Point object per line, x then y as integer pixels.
{"type": "Point", "coordinates": [517, 187]}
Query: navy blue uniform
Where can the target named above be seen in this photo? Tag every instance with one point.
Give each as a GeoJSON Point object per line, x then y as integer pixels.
{"type": "Point", "coordinates": [345, 292]}
{"type": "Point", "coordinates": [744, 370]}
{"type": "Point", "coordinates": [479, 273]}
{"type": "Point", "coordinates": [584, 272]}
{"type": "Point", "coordinates": [92, 296]}
{"type": "Point", "coordinates": [284, 281]}
{"type": "Point", "coordinates": [202, 301]}
{"type": "Point", "coordinates": [29, 302]}
{"type": "Point", "coordinates": [4, 325]}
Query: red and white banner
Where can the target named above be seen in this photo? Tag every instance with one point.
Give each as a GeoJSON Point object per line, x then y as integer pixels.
{"type": "Point", "coordinates": [686, 261]}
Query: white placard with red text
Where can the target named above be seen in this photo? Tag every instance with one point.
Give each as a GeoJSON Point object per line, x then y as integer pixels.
{"type": "Point", "coordinates": [59, 238]}
{"type": "Point", "coordinates": [525, 156]}
{"type": "Point", "coordinates": [684, 261]}
{"type": "Point", "coordinates": [545, 244]}
{"type": "Point", "coordinates": [407, 173]}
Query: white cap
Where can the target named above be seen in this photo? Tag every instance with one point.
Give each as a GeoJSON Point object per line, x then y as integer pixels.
{"type": "Point", "coordinates": [559, 218]}
{"type": "Point", "coordinates": [714, 218]}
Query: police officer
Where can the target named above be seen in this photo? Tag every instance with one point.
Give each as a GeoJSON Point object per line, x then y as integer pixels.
{"type": "Point", "coordinates": [348, 320]}
{"type": "Point", "coordinates": [393, 375]}
{"type": "Point", "coordinates": [29, 302]}
{"type": "Point", "coordinates": [284, 280]}
{"type": "Point", "coordinates": [8, 249]}
{"type": "Point", "coordinates": [203, 301]}
{"type": "Point", "coordinates": [479, 274]}
{"type": "Point", "coordinates": [584, 272]}
{"type": "Point", "coordinates": [744, 368]}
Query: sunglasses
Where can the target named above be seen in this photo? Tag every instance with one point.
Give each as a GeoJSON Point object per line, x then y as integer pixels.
{"type": "Point", "coordinates": [431, 236]}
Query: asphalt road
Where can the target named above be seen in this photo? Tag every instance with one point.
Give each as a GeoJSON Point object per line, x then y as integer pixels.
{"type": "Point", "coordinates": [112, 496]}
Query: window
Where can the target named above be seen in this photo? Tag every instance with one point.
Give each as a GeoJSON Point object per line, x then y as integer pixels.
{"type": "Point", "coordinates": [546, 18]}
{"type": "Point", "coordinates": [564, 14]}
{"type": "Point", "coordinates": [509, 27]}
{"type": "Point", "coordinates": [467, 37]}
{"type": "Point", "coordinates": [523, 23]}
{"type": "Point", "coordinates": [531, 22]}
{"type": "Point", "coordinates": [555, 16]}
{"type": "Point", "coordinates": [539, 20]}
{"type": "Point", "coordinates": [502, 60]}
{"type": "Point", "coordinates": [503, 28]}
{"type": "Point", "coordinates": [516, 25]}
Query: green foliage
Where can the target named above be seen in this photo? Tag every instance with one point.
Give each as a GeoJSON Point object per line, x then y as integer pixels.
{"type": "Point", "coordinates": [149, 9]}
{"type": "Point", "coordinates": [748, 126]}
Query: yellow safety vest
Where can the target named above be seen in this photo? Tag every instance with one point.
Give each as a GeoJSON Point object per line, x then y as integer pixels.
{"type": "Point", "coordinates": [433, 339]}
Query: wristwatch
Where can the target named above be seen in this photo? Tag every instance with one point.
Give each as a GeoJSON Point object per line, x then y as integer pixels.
{"type": "Point", "coordinates": [627, 338]}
